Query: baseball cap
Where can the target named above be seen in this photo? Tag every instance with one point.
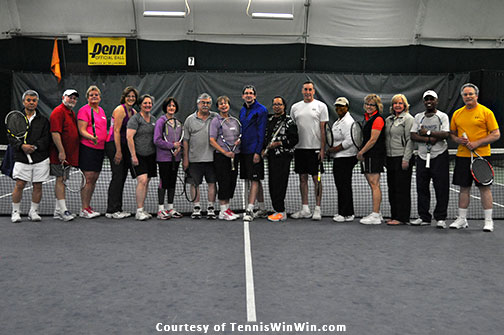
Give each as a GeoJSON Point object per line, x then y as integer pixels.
{"type": "Point", "coordinates": [342, 101]}
{"type": "Point", "coordinates": [430, 93]}
{"type": "Point", "coordinates": [70, 92]}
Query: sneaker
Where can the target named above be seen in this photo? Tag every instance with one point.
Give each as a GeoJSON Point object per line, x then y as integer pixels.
{"type": "Point", "coordinates": [441, 224]}
{"type": "Point", "coordinates": [372, 218]}
{"type": "Point", "coordinates": [261, 214]}
{"type": "Point", "coordinates": [142, 216]}
{"type": "Point", "coordinates": [15, 217]}
{"type": "Point", "coordinates": [248, 216]}
{"type": "Point", "coordinates": [317, 216]}
{"type": "Point", "coordinates": [211, 214]}
{"type": "Point", "coordinates": [65, 216]}
{"type": "Point", "coordinates": [126, 214]}
{"type": "Point", "coordinates": [225, 215]}
{"type": "Point", "coordinates": [57, 215]}
{"type": "Point", "coordinates": [394, 223]}
{"type": "Point", "coordinates": [196, 214]}
{"type": "Point", "coordinates": [301, 215]}
{"type": "Point", "coordinates": [116, 215]}
{"type": "Point", "coordinates": [419, 222]}
{"type": "Point", "coordinates": [163, 215]}
{"type": "Point", "coordinates": [459, 223]}
{"type": "Point", "coordinates": [341, 218]}
{"type": "Point", "coordinates": [34, 216]}
{"type": "Point", "coordinates": [488, 225]}
{"type": "Point", "coordinates": [88, 213]}
{"type": "Point", "coordinates": [174, 214]}
{"type": "Point", "coordinates": [277, 217]}
{"type": "Point", "coordinates": [232, 214]}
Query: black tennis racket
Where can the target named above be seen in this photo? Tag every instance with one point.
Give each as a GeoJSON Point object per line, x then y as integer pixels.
{"type": "Point", "coordinates": [356, 134]}
{"type": "Point", "coordinates": [329, 135]}
{"type": "Point", "coordinates": [481, 169]}
{"type": "Point", "coordinates": [173, 132]}
{"type": "Point", "coordinates": [18, 126]}
{"type": "Point", "coordinates": [73, 178]}
{"type": "Point", "coordinates": [190, 188]}
{"type": "Point", "coordinates": [273, 138]}
{"type": "Point", "coordinates": [95, 139]}
{"type": "Point", "coordinates": [428, 145]}
{"type": "Point", "coordinates": [231, 132]}
{"type": "Point", "coordinates": [179, 187]}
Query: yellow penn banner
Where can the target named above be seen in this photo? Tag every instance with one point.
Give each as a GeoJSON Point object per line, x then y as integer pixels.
{"type": "Point", "coordinates": [106, 51]}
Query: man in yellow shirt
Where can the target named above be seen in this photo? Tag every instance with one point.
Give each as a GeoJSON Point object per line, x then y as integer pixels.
{"type": "Point", "coordinates": [473, 127]}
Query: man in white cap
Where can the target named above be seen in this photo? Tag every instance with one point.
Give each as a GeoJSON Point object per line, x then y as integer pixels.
{"type": "Point", "coordinates": [65, 150]}
{"type": "Point", "coordinates": [430, 130]}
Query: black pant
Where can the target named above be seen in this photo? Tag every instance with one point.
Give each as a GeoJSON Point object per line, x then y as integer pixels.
{"type": "Point", "coordinates": [279, 171]}
{"type": "Point", "coordinates": [342, 172]}
{"type": "Point", "coordinates": [226, 177]}
{"type": "Point", "coordinates": [440, 175]}
{"type": "Point", "coordinates": [119, 174]}
{"type": "Point", "coordinates": [399, 188]}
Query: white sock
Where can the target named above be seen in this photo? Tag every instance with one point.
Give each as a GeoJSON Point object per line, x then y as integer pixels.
{"type": "Point", "coordinates": [34, 206]}
{"type": "Point", "coordinates": [306, 208]}
{"type": "Point", "coordinates": [488, 214]}
{"type": "Point", "coordinates": [317, 208]}
{"type": "Point", "coordinates": [223, 208]}
{"type": "Point", "coordinates": [62, 205]}
{"type": "Point", "coordinates": [139, 210]}
{"type": "Point", "coordinates": [56, 206]}
{"type": "Point", "coordinates": [170, 206]}
{"type": "Point", "coordinates": [250, 207]}
{"type": "Point", "coordinates": [462, 213]}
{"type": "Point", "coordinates": [210, 204]}
{"type": "Point", "coordinates": [261, 205]}
{"type": "Point", "coordinates": [16, 207]}
{"type": "Point", "coordinates": [161, 207]}
{"type": "Point", "coordinates": [375, 214]}
{"type": "Point", "coordinates": [197, 204]}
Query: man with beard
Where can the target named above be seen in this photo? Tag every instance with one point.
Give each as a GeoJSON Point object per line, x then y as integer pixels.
{"type": "Point", "coordinates": [65, 151]}
{"type": "Point", "coordinates": [430, 130]}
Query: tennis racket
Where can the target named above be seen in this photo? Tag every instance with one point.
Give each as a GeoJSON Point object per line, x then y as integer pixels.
{"type": "Point", "coordinates": [428, 145]}
{"type": "Point", "coordinates": [318, 185]}
{"type": "Point", "coordinates": [95, 140]}
{"type": "Point", "coordinates": [173, 132]}
{"type": "Point", "coordinates": [356, 134]}
{"type": "Point", "coordinates": [17, 126]}
{"type": "Point", "coordinates": [179, 187]}
{"type": "Point", "coordinates": [190, 188]}
{"type": "Point", "coordinates": [481, 169]}
{"type": "Point", "coordinates": [231, 132]}
{"type": "Point", "coordinates": [329, 135]}
{"type": "Point", "coordinates": [273, 138]}
{"type": "Point", "coordinates": [73, 178]}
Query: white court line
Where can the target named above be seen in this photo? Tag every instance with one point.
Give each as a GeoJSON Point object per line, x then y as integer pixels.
{"type": "Point", "coordinates": [249, 275]}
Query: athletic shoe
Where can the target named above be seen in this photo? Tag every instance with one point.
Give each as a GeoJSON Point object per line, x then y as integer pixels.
{"type": "Point", "coordinates": [15, 217]}
{"type": "Point", "coordinates": [65, 216]}
{"type": "Point", "coordinates": [248, 216]}
{"type": "Point", "coordinates": [419, 222]}
{"type": "Point", "coordinates": [163, 215]}
{"type": "Point", "coordinates": [441, 224]}
{"type": "Point", "coordinates": [489, 226]}
{"type": "Point", "coordinates": [88, 213]}
{"type": "Point", "coordinates": [394, 223]}
{"type": "Point", "coordinates": [34, 216]}
{"type": "Point", "coordinates": [225, 215]}
{"type": "Point", "coordinates": [211, 214]}
{"type": "Point", "coordinates": [196, 214]}
{"type": "Point", "coordinates": [341, 218]}
{"type": "Point", "coordinates": [261, 214]}
{"type": "Point", "coordinates": [174, 214]}
{"type": "Point", "coordinates": [142, 216]}
{"type": "Point", "coordinates": [232, 214]}
{"type": "Point", "coordinates": [301, 215]}
{"type": "Point", "coordinates": [459, 223]}
{"type": "Point", "coordinates": [317, 216]}
{"type": "Point", "coordinates": [373, 218]}
{"type": "Point", "coordinates": [277, 217]}
{"type": "Point", "coordinates": [116, 215]}
{"type": "Point", "coordinates": [126, 214]}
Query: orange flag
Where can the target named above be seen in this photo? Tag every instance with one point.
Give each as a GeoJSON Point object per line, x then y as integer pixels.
{"type": "Point", "coordinates": [55, 61]}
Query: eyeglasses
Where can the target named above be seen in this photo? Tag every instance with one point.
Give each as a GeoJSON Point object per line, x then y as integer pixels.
{"type": "Point", "coordinates": [369, 105]}
{"type": "Point", "coordinates": [205, 102]}
{"type": "Point", "coordinates": [468, 94]}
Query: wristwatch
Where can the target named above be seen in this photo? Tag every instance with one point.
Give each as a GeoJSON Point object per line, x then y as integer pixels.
{"type": "Point", "coordinates": [428, 132]}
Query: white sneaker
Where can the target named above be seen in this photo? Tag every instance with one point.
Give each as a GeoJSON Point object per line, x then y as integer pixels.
{"type": "Point", "coordinates": [225, 215]}
{"type": "Point", "coordinates": [489, 226]}
{"type": "Point", "coordinates": [126, 214]}
{"type": "Point", "coordinates": [15, 217]}
{"type": "Point", "coordinates": [373, 218]}
{"type": "Point", "coordinates": [88, 213]}
{"type": "Point", "coordinates": [441, 224]}
{"type": "Point", "coordinates": [34, 216]}
{"type": "Point", "coordinates": [232, 214]}
{"type": "Point", "coordinates": [317, 216]}
{"type": "Point", "coordinates": [301, 215]}
{"type": "Point", "coordinates": [116, 215]}
{"type": "Point", "coordinates": [211, 214]}
{"type": "Point", "coordinates": [65, 216]}
{"type": "Point", "coordinates": [459, 223]}
{"type": "Point", "coordinates": [142, 216]}
{"type": "Point", "coordinates": [196, 214]}
{"type": "Point", "coordinates": [163, 215]}
{"type": "Point", "coordinates": [341, 218]}
{"type": "Point", "coordinates": [248, 216]}
{"type": "Point", "coordinates": [419, 222]}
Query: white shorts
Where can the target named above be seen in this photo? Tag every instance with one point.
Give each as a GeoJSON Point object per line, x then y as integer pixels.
{"type": "Point", "coordinates": [36, 173]}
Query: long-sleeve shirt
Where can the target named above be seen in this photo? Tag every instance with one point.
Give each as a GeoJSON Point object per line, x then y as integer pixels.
{"type": "Point", "coordinates": [253, 120]}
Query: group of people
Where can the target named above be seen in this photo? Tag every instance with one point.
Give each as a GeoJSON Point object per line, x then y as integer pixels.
{"type": "Point", "coordinates": [140, 142]}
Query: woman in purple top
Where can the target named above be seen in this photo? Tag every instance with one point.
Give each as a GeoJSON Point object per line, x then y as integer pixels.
{"type": "Point", "coordinates": [117, 151]}
{"type": "Point", "coordinates": [168, 154]}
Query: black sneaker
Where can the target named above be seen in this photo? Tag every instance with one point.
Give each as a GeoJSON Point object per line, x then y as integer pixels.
{"type": "Point", "coordinates": [196, 214]}
{"type": "Point", "coordinates": [211, 213]}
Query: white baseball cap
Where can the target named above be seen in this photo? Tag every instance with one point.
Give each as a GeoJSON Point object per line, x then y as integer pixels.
{"type": "Point", "coordinates": [70, 92]}
{"type": "Point", "coordinates": [430, 93]}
